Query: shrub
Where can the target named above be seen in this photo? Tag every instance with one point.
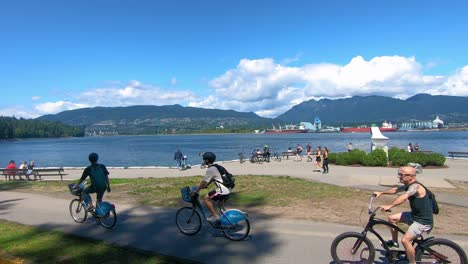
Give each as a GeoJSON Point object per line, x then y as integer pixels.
{"type": "Point", "coordinates": [343, 158]}
{"type": "Point", "coordinates": [332, 157]}
{"type": "Point", "coordinates": [357, 156]}
{"type": "Point", "coordinates": [377, 157]}
{"type": "Point", "coordinates": [398, 157]}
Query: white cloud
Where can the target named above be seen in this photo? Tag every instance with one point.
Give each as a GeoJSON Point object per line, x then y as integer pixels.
{"type": "Point", "coordinates": [35, 98]}
{"type": "Point", "coordinates": [59, 106]}
{"type": "Point", "coordinates": [269, 89]}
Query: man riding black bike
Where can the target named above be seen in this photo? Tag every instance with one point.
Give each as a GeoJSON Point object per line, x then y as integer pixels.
{"type": "Point", "coordinates": [420, 218]}
{"type": "Point", "coordinates": [221, 191]}
{"type": "Point", "coordinates": [99, 181]}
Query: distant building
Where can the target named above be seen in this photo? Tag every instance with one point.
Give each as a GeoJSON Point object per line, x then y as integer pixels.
{"type": "Point", "coordinates": [437, 123]}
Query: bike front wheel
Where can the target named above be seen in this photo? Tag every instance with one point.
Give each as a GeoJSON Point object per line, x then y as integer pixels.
{"type": "Point", "coordinates": [440, 250]}
{"type": "Point", "coordinates": [352, 247]}
{"type": "Point", "coordinates": [109, 220]}
{"type": "Point", "coordinates": [238, 231]}
{"type": "Point", "coordinates": [78, 211]}
{"type": "Point", "coordinates": [188, 220]}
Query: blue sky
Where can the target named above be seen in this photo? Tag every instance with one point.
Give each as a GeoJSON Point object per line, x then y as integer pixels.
{"type": "Point", "coordinates": [259, 56]}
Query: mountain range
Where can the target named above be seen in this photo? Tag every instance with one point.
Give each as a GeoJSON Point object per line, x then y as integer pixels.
{"type": "Point", "coordinates": [340, 112]}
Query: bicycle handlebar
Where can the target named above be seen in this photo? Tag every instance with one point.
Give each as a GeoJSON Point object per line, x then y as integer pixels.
{"type": "Point", "coordinates": [373, 212]}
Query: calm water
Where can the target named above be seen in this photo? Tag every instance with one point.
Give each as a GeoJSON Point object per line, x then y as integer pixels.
{"type": "Point", "coordinates": [159, 150]}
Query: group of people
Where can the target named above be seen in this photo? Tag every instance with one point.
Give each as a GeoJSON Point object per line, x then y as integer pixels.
{"type": "Point", "coordinates": [419, 219]}
{"type": "Point", "coordinates": [412, 148]}
{"type": "Point", "coordinates": [27, 170]}
{"type": "Point", "coordinates": [319, 157]}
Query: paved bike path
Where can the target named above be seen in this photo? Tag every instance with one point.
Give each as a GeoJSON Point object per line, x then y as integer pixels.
{"type": "Point", "coordinates": [152, 228]}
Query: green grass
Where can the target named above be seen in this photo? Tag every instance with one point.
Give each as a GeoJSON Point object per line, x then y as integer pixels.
{"type": "Point", "coordinates": [34, 245]}
{"type": "Point", "coordinates": [250, 190]}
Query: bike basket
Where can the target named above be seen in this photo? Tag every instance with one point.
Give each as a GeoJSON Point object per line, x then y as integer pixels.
{"type": "Point", "coordinates": [186, 195]}
{"type": "Point", "coordinates": [74, 191]}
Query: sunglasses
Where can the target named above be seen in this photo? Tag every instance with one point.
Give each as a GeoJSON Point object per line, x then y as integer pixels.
{"type": "Point", "coordinates": [404, 175]}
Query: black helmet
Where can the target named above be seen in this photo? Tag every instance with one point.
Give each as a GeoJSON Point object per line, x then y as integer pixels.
{"type": "Point", "coordinates": [93, 157]}
{"type": "Point", "coordinates": [210, 156]}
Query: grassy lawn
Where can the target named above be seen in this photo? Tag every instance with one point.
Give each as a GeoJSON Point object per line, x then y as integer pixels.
{"type": "Point", "coordinates": [249, 191]}
{"type": "Point", "coordinates": [33, 245]}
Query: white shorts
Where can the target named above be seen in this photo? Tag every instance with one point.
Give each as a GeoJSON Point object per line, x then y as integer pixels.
{"type": "Point", "coordinates": [415, 229]}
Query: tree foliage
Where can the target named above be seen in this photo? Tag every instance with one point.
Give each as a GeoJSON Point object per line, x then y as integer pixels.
{"type": "Point", "coordinates": [11, 127]}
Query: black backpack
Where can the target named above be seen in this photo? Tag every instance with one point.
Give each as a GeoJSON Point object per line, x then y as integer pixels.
{"type": "Point", "coordinates": [434, 205]}
{"type": "Point", "coordinates": [228, 178]}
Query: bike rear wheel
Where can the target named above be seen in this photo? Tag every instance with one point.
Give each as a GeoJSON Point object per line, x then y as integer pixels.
{"type": "Point", "coordinates": [352, 247]}
{"type": "Point", "coordinates": [109, 220]}
{"type": "Point", "coordinates": [188, 220]}
{"type": "Point", "coordinates": [238, 231]}
{"type": "Point", "coordinates": [78, 211]}
{"type": "Point", "coordinates": [440, 250]}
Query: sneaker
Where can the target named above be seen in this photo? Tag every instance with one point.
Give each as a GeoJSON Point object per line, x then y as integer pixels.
{"type": "Point", "coordinates": [391, 243]}
{"type": "Point", "coordinates": [214, 219]}
{"type": "Point", "coordinates": [90, 208]}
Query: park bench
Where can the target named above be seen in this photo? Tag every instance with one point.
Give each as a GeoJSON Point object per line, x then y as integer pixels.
{"type": "Point", "coordinates": [12, 173]}
{"type": "Point", "coordinates": [459, 154]}
{"type": "Point", "coordinates": [288, 154]}
{"type": "Point", "coordinates": [37, 173]}
{"type": "Point", "coordinates": [46, 172]}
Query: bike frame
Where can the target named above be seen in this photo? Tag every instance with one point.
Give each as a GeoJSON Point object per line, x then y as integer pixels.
{"type": "Point", "coordinates": [196, 205]}
{"type": "Point", "coordinates": [377, 221]}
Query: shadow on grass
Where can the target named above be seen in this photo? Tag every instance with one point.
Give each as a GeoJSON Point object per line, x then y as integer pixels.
{"type": "Point", "coordinates": [13, 185]}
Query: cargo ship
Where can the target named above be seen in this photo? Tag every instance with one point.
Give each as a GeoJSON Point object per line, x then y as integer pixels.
{"type": "Point", "coordinates": [288, 129]}
{"type": "Point", "coordinates": [386, 127]}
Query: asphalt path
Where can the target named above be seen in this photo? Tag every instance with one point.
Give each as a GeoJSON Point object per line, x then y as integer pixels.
{"type": "Point", "coordinates": [272, 240]}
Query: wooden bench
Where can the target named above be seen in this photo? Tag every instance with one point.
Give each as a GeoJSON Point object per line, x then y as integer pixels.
{"type": "Point", "coordinates": [459, 154]}
{"type": "Point", "coordinates": [288, 154]}
{"type": "Point", "coordinates": [49, 172]}
{"type": "Point", "coordinates": [37, 173]}
{"type": "Point", "coordinates": [12, 173]}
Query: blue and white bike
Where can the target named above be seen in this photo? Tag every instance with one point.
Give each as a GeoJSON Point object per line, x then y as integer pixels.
{"type": "Point", "coordinates": [234, 224]}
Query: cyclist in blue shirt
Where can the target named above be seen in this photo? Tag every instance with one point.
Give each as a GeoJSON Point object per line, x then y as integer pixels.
{"type": "Point", "coordinates": [99, 181]}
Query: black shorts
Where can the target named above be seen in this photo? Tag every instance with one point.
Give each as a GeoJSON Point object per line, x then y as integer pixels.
{"type": "Point", "coordinates": [216, 196]}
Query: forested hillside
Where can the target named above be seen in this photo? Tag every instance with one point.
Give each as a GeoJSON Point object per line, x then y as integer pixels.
{"type": "Point", "coordinates": [11, 128]}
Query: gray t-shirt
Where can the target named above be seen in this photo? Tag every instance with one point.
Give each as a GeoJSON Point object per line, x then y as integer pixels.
{"type": "Point", "coordinates": [212, 174]}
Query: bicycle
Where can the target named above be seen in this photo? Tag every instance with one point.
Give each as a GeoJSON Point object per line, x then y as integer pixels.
{"type": "Point", "coordinates": [354, 247]}
{"type": "Point", "coordinates": [276, 157]}
{"type": "Point", "coordinates": [104, 213]}
{"type": "Point", "coordinates": [184, 165]}
{"type": "Point", "coordinates": [234, 223]}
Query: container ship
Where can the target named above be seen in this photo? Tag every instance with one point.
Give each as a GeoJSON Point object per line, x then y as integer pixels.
{"type": "Point", "coordinates": [386, 127]}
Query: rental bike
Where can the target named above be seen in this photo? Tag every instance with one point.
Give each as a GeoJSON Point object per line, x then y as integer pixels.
{"type": "Point", "coordinates": [104, 212]}
{"type": "Point", "coordinates": [354, 247]}
{"type": "Point", "coordinates": [234, 224]}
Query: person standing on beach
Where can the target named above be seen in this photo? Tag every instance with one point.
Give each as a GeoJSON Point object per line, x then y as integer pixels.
{"type": "Point", "coordinates": [325, 160]}
{"type": "Point", "coordinates": [178, 158]}
{"type": "Point", "coordinates": [350, 147]}
{"type": "Point", "coordinates": [99, 176]}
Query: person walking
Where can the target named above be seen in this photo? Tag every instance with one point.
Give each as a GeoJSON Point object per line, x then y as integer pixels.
{"type": "Point", "coordinates": [325, 160]}
{"type": "Point", "coordinates": [178, 158]}
{"type": "Point", "coordinates": [318, 159]}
